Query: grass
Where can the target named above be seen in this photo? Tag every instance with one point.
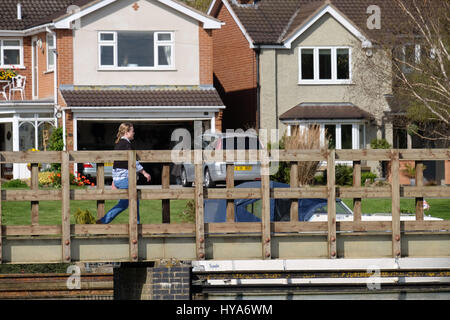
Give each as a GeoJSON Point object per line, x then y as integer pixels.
{"type": "Point", "coordinates": [19, 212]}
{"type": "Point", "coordinates": [439, 208]}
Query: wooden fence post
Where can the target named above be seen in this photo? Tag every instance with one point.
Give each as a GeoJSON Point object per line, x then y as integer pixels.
{"type": "Point", "coordinates": [132, 208]}
{"type": "Point", "coordinates": [199, 208]}
{"type": "Point", "coordinates": [294, 184]}
{"type": "Point", "coordinates": [100, 186]}
{"type": "Point", "coordinates": [419, 183]}
{"type": "Point", "coordinates": [395, 184]}
{"type": "Point", "coordinates": [65, 206]}
{"type": "Point", "coordinates": [230, 185]}
{"type": "Point", "coordinates": [165, 184]}
{"type": "Point", "coordinates": [34, 186]}
{"type": "Point", "coordinates": [357, 183]}
{"type": "Point", "coordinates": [265, 207]}
{"type": "Point", "coordinates": [331, 203]}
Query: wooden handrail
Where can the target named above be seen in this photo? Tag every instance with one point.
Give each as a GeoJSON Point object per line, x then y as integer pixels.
{"type": "Point", "coordinates": [199, 229]}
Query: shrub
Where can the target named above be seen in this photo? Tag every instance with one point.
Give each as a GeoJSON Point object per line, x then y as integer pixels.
{"type": "Point", "coordinates": [56, 140]}
{"type": "Point", "coordinates": [367, 176]}
{"type": "Point", "coordinates": [344, 175]}
{"type": "Point", "coordinates": [380, 144]}
{"type": "Point", "coordinates": [45, 178]}
{"type": "Point", "coordinates": [53, 179]}
{"type": "Point", "coordinates": [84, 217]}
{"type": "Point", "coordinates": [16, 183]}
{"type": "Point", "coordinates": [188, 214]}
{"type": "Point", "coordinates": [308, 139]}
{"type": "Point", "coordinates": [56, 143]}
{"type": "Point", "coordinates": [80, 180]}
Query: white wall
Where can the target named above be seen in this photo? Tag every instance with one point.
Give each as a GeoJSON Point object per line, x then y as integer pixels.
{"type": "Point", "coordinates": [151, 16]}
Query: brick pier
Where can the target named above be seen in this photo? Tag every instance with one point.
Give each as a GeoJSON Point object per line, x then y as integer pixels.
{"type": "Point", "coordinates": [161, 281]}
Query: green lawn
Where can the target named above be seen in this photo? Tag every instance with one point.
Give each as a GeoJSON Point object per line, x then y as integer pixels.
{"type": "Point", "coordinates": [19, 212]}
{"type": "Point", "coordinates": [439, 208]}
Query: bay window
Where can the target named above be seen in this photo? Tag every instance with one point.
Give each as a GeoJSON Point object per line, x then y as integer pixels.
{"type": "Point", "coordinates": [325, 65]}
{"type": "Point", "coordinates": [136, 49]}
{"type": "Point", "coordinates": [344, 135]}
{"type": "Point", "coordinates": [339, 134]}
{"type": "Point", "coordinates": [11, 53]}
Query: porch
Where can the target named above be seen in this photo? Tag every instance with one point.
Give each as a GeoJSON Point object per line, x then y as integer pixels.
{"type": "Point", "coordinates": [25, 125]}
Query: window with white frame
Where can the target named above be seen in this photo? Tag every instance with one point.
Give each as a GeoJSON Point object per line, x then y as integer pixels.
{"type": "Point", "coordinates": [136, 49]}
{"type": "Point", "coordinates": [324, 65]}
{"type": "Point", "coordinates": [344, 135]}
{"type": "Point", "coordinates": [51, 47]}
{"type": "Point", "coordinates": [11, 53]}
{"type": "Point", "coordinates": [340, 135]}
{"type": "Point", "coordinates": [410, 56]}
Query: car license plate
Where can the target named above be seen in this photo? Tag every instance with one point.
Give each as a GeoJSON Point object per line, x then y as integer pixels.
{"type": "Point", "coordinates": [242, 168]}
{"type": "Point", "coordinates": [108, 164]}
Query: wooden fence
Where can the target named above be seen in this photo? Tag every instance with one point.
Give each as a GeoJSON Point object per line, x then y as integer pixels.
{"type": "Point", "coordinates": [200, 230]}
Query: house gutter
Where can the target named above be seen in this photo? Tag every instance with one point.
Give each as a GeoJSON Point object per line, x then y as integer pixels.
{"type": "Point", "coordinates": [27, 32]}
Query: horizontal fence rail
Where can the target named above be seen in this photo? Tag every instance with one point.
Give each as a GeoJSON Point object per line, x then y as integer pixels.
{"type": "Point", "coordinates": [201, 231]}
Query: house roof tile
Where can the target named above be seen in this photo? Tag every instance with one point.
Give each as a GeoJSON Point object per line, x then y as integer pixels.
{"type": "Point", "coordinates": [34, 12]}
{"type": "Point", "coordinates": [39, 12]}
{"type": "Point", "coordinates": [316, 111]}
{"type": "Point", "coordinates": [269, 21]}
{"type": "Point", "coordinates": [149, 97]}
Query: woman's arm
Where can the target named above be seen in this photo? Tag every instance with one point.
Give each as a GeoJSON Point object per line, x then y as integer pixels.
{"type": "Point", "coordinates": [146, 175]}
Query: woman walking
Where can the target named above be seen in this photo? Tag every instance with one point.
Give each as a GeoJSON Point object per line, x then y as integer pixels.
{"type": "Point", "coordinates": [120, 172]}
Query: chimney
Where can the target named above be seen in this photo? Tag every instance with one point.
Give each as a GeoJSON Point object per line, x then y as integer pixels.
{"type": "Point", "coordinates": [19, 11]}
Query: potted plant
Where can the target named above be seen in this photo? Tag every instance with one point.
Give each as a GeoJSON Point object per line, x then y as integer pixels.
{"type": "Point", "coordinates": [410, 171]}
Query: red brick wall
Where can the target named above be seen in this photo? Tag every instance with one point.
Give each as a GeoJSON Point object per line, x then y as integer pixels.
{"type": "Point", "coordinates": [65, 75]}
{"type": "Point", "coordinates": [65, 56]}
{"type": "Point", "coordinates": [27, 71]}
{"type": "Point", "coordinates": [235, 73]}
{"type": "Point", "coordinates": [45, 80]}
{"type": "Point", "coordinates": [206, 55]}
{"type": "Point", "coordinates": [447, 172]}
{"type": "Point", "coordinates": [46, 83]}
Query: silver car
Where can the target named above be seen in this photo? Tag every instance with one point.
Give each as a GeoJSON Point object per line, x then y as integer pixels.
{"type": "Point", "coordinates": [215, 172]}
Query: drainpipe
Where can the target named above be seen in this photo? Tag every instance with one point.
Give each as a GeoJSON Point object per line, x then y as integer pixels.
{"type": "Point", "coordinates": [55, 86]}
{"type": "Point", "coordinates": [55, 69]}
{"type": "Point", "coordinates": [258, 89]}
{"type": "Point", "coordinates": [276, 91]}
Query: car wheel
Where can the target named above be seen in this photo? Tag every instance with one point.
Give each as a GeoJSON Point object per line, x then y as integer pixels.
{"type": "Point", "coordinates": [208, 182]}
{"type": "Point", "coordinates": [184, 180]}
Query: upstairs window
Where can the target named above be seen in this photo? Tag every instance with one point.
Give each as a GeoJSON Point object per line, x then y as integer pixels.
{"type": "Point", "coordinates": [51, 46]}
{"type": "Point", "coordinates": [410, 57]}
{"type": "Point", "coordinates": [11, 53]}
{"type": "Point", "coordinates": [327, 65]}
{"type": "Point", "coordinates": [136, 49]}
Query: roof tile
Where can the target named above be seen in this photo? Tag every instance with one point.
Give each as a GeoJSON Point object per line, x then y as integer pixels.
{"type": "Point", "coordinates": [142, 97]}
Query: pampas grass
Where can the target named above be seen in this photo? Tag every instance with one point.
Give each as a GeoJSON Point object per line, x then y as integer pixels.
{"type": "Point", "coordinates": [307, 139]}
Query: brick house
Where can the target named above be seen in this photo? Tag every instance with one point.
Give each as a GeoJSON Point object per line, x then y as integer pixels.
{"type": "Point", "coordinates": [90, 65]}
{"type": "Point", "coordinates": [281, 64]}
